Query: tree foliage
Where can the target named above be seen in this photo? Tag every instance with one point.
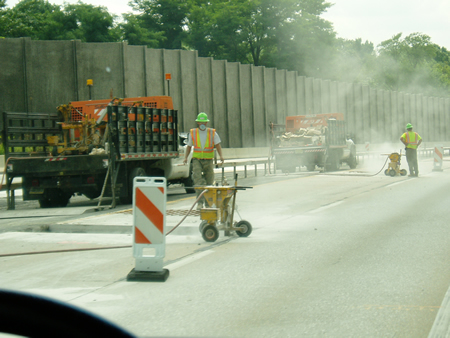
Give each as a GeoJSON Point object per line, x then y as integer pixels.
{"type": "Point", "coordinates": [413, 64]}
{"type": "Point", "coordinates": [41, 20]}
{"type": "Point", "coordinates": [284, 34]}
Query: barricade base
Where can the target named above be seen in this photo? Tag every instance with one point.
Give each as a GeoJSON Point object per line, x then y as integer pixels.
{"type": "Point", "coordinates": [148, 276]}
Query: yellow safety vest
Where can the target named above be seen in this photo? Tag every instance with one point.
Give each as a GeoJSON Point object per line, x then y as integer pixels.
{"type": "Point", "coordinates": [412, 139]}
{"type": "Point", "coordinates": [206, 153]}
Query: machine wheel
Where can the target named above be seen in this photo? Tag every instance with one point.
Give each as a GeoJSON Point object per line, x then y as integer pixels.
{"type": "Point", "coordinates": [210, 233]}
{"type": "Point", "coordinates": [386, 172]}
{"type": "Point", "coordinates": [189, 182]}
{"type": "Point", "coordinates": [403, 172]}
{"type": "Point", "coordinates": [247, 228]}
{"type": "Point", "coordinates": [392, 173]}
{"type": "Point", "coordinates": [202, 225]}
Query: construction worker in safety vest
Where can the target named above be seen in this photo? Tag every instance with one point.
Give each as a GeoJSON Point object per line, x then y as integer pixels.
{"type": "Point", "coordinates": [203, 140]}
{"type": "Point", "coordinates": [411, 140]}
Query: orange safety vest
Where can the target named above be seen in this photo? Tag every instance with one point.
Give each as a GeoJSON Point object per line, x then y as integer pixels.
{"type": "Point", "coordinates": [412, 139]}
{"type": "Point", "coordinates": [208, 151]}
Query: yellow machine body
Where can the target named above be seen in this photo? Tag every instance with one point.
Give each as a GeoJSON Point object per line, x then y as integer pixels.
{"type": "Point", "coordinates": [394, 165]}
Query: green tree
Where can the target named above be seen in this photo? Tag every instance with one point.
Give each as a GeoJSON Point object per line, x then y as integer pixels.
{"type": "Point", "coordinates": [354, 61]}
{"type": "Point", "coordinates": [42, 20]}
{"type": "Point", "coordinates": [406, 64]}
{"type": "Point", "coordinates": [159, 24]}
{"type": "Point", "coordinates": [91, 23]}
{"type": "Point", "coordinates": [262, 32]}
{"type": "Point", "coordinates": [37, 19]}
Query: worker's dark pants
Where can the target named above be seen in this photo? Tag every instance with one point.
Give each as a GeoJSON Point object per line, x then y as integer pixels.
{"type": "Point", "coordinates": [411, 157]}
{"type": "Point", "coordinates": [203, 174]}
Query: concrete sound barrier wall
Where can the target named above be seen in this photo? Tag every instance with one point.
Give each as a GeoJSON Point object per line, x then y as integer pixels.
{"type": "Point", "coordinates": [240, 100]}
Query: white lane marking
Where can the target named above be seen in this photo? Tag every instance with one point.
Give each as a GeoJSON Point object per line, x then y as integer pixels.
{"type": "Point", "coordinates": [441, 326]}
{"type": "Point", "coordinates": [326, 207]}
{"type": "Point", "coordinates": [188, 260]}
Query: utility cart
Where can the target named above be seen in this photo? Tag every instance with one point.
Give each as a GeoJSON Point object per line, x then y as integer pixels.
{"type": "Point", "coordinates": [394, 165]}
{"type": "Point", "coordinates": [218, 215]}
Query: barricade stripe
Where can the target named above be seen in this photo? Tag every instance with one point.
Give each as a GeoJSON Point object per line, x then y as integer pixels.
{"type": "Point", "coordinates": [149, 210]}
{"type": "Point", "coordinates": [139, 237]}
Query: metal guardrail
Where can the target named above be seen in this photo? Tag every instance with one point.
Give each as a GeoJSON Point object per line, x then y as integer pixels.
{"type": "Point", "coordinates": [252, 163]}
{"type": "Point", "coordinates": [361, 156]}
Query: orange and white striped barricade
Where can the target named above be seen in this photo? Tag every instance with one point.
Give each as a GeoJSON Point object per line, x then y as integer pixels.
{"type": "Point", "coordinates": [438, 153]}
{"type": "Point", "coordinates": [149, 240]}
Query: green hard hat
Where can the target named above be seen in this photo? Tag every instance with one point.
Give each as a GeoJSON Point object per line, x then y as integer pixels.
{"type": "Point", "coordinates": [202, 117]}
{"type": "Point", "coordinates": [409, 126]}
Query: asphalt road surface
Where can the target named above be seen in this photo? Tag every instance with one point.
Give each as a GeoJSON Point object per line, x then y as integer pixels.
{"type": "Point", "coordinates": [347, 254]}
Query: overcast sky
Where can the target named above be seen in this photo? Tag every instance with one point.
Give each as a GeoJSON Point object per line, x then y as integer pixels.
{"type": "Point", "coordinates": [370, 20]}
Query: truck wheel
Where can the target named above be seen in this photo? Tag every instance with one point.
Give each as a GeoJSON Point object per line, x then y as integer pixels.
{"type": "Point", "coordinates": [352, 162]}
{"type": "Point", "coordinates": [311, 167]}
{"type": "Point", "coordinates": [54, 198]}
{"type": "Point", "coordinates": [332, 163]}
{"type": "Point", "coordinates": [188, 182]}
{"type": "Point", "coordinates": [92, 194]}
{"type": "Point", "coordinates": [128, 199]}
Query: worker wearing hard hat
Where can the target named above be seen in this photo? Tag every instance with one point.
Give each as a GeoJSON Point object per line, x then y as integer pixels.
{"type": "Point", "coordinates": [411, 140]}
{"type": "Point", "coordinates": [203, 140]}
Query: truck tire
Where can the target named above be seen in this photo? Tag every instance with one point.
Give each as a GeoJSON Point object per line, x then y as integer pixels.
{"type": "Point", "coordinates": [352, 161]}
{"type": "Point", "coordinates": [310, 167]}
{"type": "Point", "coordinates": [332, 162]}
{"type": "Point", "coordinates": [188, 182]}
{"type": "Point", "coordinates": [128, 198]}
{"type": "Point", "coordinates": [54, 198]}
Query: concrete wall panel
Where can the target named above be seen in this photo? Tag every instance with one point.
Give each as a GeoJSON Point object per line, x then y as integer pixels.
{"type": "Point", "coordinates": [419, 114]}
{"type": "Point", "coordinates": [447, 119]}
{"type": "Point", "coordinates": [301, 101]}
{"type": "Point", "coordinates": [246, 108]}
{"type": "Point", "coordinates": [325, 96]}
{"type": "Point", "coordinates": [204, 82]}
{"type": "Point", "coordinates": [188, 108]}
{"type": "Point", "coordinates": [234, 105]}
{"type": "Point", "coordinates": [365, 116]}
{"type": "Point", "coordinates": [309, 95]}
{"type": "Point", "coordinates": [103, 63]}
{"type": "Point", "coordinates": [49, 68]}
{"type": "Point", "coordinates": [342, 100]}
{"type": "Point", "coordinates": [155, 72]}
{"type": "Point", "coordinates": [280, 90]}
{"type": "Point", "coordinates": [374, 132]}
{"type": "Point", "coordinates": [350, 110]}
{"type": "Point", "coordinates": [291, 94]}
{"type": "Point", "coordinates": [12, 75]}
{"type": "Point", "coordinates": [260, 124]}
{"type": "Point", "coordinates": [219, 102]}
{"type": "Point", "coordinates": [442, 120]}
{"type": "Point", "coordinates": [334, 104]}
{"type": "Point", "coordinates": [134, 63]}
{"type": "Point", "coordinates": [381, 131]}
{"type": "Point", "coordinates": [271, 97]}
{"type": "Point", "coordinates": [389, 136]}
{"type": "Point", "coordinates": [402, 119]}
{"type": "Point", "coordinates": [171, 66]}
{"type": "Point", "coordinates": [317, 96]}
